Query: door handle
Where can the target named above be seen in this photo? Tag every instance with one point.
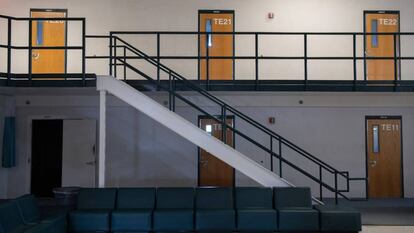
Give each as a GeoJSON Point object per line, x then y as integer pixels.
{"type": "Point", "coordinates": [203, 163]}
{"type": "Point", "coordinates": [35, 56]}
{"type": "Point", "coordinates": [373, 163]}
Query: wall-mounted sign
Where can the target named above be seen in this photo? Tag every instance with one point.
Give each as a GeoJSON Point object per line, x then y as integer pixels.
{"type": "Point", "coordinates": [388, 22]}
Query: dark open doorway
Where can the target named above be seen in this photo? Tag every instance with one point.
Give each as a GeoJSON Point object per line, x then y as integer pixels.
{"type": "Point", "coordinates": [46, 157]}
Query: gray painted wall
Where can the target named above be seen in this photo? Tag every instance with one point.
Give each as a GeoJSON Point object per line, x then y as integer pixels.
{"type": "Point", "coordinates": [140, 152]}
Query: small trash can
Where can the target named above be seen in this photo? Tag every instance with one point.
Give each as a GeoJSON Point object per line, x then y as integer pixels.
{"type": "Point", "coordinates": [66, 196]}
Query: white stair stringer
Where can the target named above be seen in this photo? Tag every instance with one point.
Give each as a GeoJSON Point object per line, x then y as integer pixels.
{"type": "Point", "coordinates": [189, 131]}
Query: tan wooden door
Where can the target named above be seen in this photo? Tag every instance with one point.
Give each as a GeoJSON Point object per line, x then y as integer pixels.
{"type": "Point", "coordinates": [384, 158]}
{"type": "Point", "coordinates": [217, 45]}
{"type": "Point", "coordinates": [48, 33]}
{"type": "Point", "coordinates": [381, 45]}
{"type": "Point", "coordinates": [213, 171]}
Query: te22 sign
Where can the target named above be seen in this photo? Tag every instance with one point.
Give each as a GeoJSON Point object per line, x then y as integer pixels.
{"type": "Point", "coordinates": [222, 21]}
{"type": "Point", "coordinates": [388, 22]}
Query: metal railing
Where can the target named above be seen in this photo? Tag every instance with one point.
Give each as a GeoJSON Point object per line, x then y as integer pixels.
{"type": "Point", "coordinates": [30, 47]}
{"type": "Point", "coordinates": [175, 80]}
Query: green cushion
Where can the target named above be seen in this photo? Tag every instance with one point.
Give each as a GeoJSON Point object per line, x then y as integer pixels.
{"type": "Point", "coordinates": [173, 220]}
{"type": "Point", "coordinates": [96, 198]}
{"type": "Point", "coordinates": [41, 228]}
{"type": "Point", "coordinates": [338, 218]}
{"type": "Point", "coordinates": [10, 218]}
{"type": "Point", "coordinates": [131, 220]}
{"type": "Point", "coordinates": [89, 220]}
{"type": "Point", "coordinates": [215, 220]}
{"type": "Point", "coordinates": [298, 219]}
{"type": "Point", "coordinates": [214, 198]}
{"type": "Point", "coordinates": [28, 208]}
{"type": "Point", "coordinates": [175, 198]}
{"type": "Point", "coordinates": [292, 197]}
{"type": "Point", "coordinates": [257, 220]}
{"type": "Point", "coordinates": [58, 222]}
{"type": "Point", "coordinates": [136, 198]}
{"type": "Point", "coordinates": [254, 198]}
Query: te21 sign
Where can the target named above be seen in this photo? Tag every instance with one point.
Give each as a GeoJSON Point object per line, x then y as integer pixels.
{"type": "Point", "coordinates": [388, 22]}
{"type": "Point", "coordinates": [222, 21]}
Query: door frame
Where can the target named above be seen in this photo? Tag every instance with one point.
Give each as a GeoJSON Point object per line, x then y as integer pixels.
{"type": "Point", "coordinates": [397, 12]}
{"type": "Point", "coordinates": [199, 118]}
{"type": "Point", "coordinates": [66, 27]}
{"type": "Point", "coordinates": [383, 117]}
{"type": "Point", "coordinates": [199, 44]}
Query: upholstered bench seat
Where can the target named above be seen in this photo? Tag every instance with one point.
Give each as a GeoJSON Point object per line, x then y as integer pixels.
{"type": "Point", "coordinates": [130, 220]}
{"type": "Point", "coordinates": [298, 219]}
{"type": "Point", "coordinates": [90, 220]}
{"type": "Point", "coordinates": [257, 220]}
{"type": "Point", "coordinates": [339, 219]}
{"type": "Point", "coordinates": [173, 220]}
{"type": "Point", "coordinates": [215, 220]}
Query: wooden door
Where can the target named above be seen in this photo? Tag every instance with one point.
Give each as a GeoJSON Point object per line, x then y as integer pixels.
{"type": "Point", "coordinates": [384, 158]}
{"type": "Point", "coordinates": [381, 45]}
{"type": "Point", "coordinates": [213, 171]}
{"type": "Point", "coordinates": [216, 45]}
{"type": "Point", "coordinates": [48, 33]}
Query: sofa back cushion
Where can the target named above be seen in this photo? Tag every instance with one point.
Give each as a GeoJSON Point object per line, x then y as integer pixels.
{"type": "Point", "coordinates": [10, 218]}
{"type": "Point", "coordinates": [175, 198]}
{"type": "Point", "coordinates": [96, 198]}
{"type": "Point", "coordinates": [136, 198]}
{"type": "Point", "coordinates": [214, 198]}
{"type": "Point", "coordinates": [292, 197]}
{"type": "Point", "coordinates": [28, 208]}
{"type": "Point", "coordinates": [254, 198]}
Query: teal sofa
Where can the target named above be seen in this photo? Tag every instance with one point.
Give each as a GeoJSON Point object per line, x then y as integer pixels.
{"type": "Point", "coordinates": [134, 210]}
{"type": "Point", "coordinates": [339, 219]}
{"type": "Point", "coordinates": [255, 209]}
{"type": "Point", "coordinates": [174, 210]}
{"type": "Point", "coordinates": [215, 210]}
{"type": "Point", "coordinates": [93, 210]}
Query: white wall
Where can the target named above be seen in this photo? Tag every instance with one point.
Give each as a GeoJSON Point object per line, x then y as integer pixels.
{"type": "Point", "coordinates": [140, 152]}
{"type": "Point", "coordinates": [250, 15]}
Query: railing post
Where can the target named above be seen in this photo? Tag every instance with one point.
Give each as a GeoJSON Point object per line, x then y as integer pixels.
{"type": "Point", "coordinates": [115, 59]}
{"type": "Point", "coordinates": [110, 53]}
{"type": "Point", "coordinates": [158, 57]}
{"type": "Point", "coordinates": [365, 56]}
{"type": "Point", "coordinates": [125, 60]}
{"type": "Point", "coordinates": [395, 62]}
{"type": "Point", "coordinates": [9, 45]}
{"type": "Point", "coordinates": [320, 183]}
{"type": "Point", "coordinates": [173, 93]}
{"type": "Point", "coordinates": [305, 51]}
{"type": "Point", "coordinates": [336, 187]}
{"type": "Point", "coordinates": [207, 64]}
{"type": "Point", "coordinates": [83, 52]}
{"type": "Point", "coordinates": [256, 48]}
{"type": "Point", "coordinates": [170, 90]}
{"type": "Point", "coordinates": [30, 51]}
{"type": "Point", "coordinates": [280, 158]}
{"type": "Point", "coordinates": [354, 59]}
{"type": "Point", "coordinates": [224, 123]}
{"type": "Point", "coordinates": [271, 154]}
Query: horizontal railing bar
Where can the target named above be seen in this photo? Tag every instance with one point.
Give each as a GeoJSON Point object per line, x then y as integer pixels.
{"type": "Point", "coordinates": [45, 47]}
{"type": "Point", "coordinates": [97, 36]}
{"type": "Point", "coordinates": [258, 33]}
{"type": "Point", "coordinates": [43, 18]}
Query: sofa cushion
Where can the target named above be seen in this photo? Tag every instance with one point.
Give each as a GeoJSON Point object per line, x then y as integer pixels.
{"type": "Point", "coordinates": [292, 197]}
{"type": "Point", "coordinates": [173, 220]}
{"type": "Point", "coordinates": [28, 208]}
{"type": "Point", "coordinates": [89, 220]}
{"type": "Point", "coordinates": [96, 198]}
{"type": "Point", "coordinates": [257, 220]}
{"type": "Point", "coordinates": [254, 198]}
{"type": "Point", "coordinates": [298, 219]}
{"type": "Point", "coordinates": [175, 198]}
{"type": "Point", "coordinates": [10, 219]}
{"type": "Point", "coordinates": [214, 198]}
{"type": "Point", "coordinates": [338, 218]}
{"type": "Point", "coordinates": [131, 220]}
{"type": "Point", "coordinates": [136, 198]}
{"type": "Point", "coordinates": [215, 220]}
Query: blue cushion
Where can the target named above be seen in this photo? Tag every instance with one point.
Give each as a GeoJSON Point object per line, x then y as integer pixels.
{"type": "Point", "coordinates": [96, 198]}
{"type": "Point", "coordinates": [28, 208]}
{"type": "Point", "coordinates": [292, 197]}
{"type": "Point", "coordinates": [10, 219]}
{"type": "Point", "coordinates": [89, 220]}
{"type": "Point", "coordinates": [298, 219]}
{"type": "Point", "coordinates": [254, 198]}
{"type": "Point", "coordinates": [257, 220]}
{"type": "Point", "coordinates": [175, 198]}
{"type": "Point", "coordinates": [215, 220]}
{"type": "Point", "coordinates": [214, 198]}
{"type": "Point", "coordinates": [131, 220]}
{"type": "Point", "coordinates": [136, 198]}
{"type": "Point", "coordinates": [173, 220]}
{"type": "Point", "coordinates": [339, 218]}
